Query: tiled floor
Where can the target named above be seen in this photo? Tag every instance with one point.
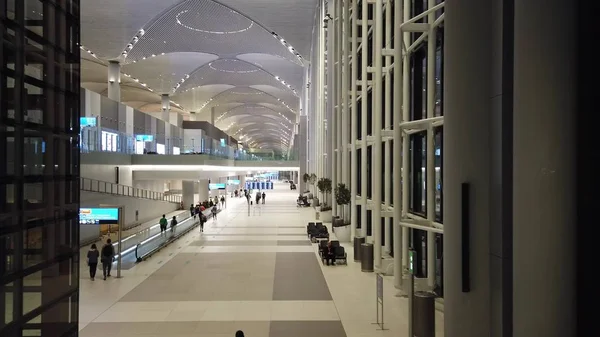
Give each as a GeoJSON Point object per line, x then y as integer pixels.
{"type": "Point", "coordinates": [253, 270]}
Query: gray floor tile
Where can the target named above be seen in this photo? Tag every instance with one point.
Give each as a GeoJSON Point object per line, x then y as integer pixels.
{"type": "Point", "coordinates": [306, 328]}
{"type": "Point", "coordinates": [293, 242]}
{"type": "Point", "coordinates": [298, 277]}
{"type": "Point", "coordinates": [209, 277]}
{"type": "Point", "coordinates": [238, 243]}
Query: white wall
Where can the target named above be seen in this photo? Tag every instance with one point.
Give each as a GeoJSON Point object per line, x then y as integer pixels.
{"type": "Point", "coordinates": [188, 135]}
{"type": "Point", "coordinates": [150, 185]}
{"type": "Point", "coordinates": [147, 209]}
{"type": "Point", "coordinates": [107, 173]}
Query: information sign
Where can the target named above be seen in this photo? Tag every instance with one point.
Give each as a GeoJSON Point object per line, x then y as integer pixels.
{"type": "Point", "coordinates": [233, 182]}
{"type": "Point", "coordinates": [219, 186]}
{"type": "Point", "coordinates": [144, 138]}
{"type": "Point", "coordinates": [87, 121]}
{"type": "Point", "coordinates": [98, 216]}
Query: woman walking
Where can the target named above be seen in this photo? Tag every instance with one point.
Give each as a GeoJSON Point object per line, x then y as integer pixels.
{"type": "Point", "coordinates": [92, 260]}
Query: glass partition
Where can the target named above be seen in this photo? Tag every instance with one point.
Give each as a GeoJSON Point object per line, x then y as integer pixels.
{"type": "Point", "coordinates": [98, 139]}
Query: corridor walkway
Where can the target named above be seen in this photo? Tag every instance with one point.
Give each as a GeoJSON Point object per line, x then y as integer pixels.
{"type": "Point", "coordinates": [253, 269]}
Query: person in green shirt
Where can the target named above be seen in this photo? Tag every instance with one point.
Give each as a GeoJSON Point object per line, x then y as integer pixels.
{"type": "Point", "coordinates": [163, 224]}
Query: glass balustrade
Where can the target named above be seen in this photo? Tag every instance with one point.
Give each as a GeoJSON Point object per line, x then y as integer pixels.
{"type": "Point", "coordinates": [93, 185]}
{"type": "Point", "coordinates": [96, 139]}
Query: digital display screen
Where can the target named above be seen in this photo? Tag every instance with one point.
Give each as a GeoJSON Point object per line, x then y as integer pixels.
{"type": "Point", "coordinates": [233, 182]}
{"type": "Point", "coordinates": [87, 121]}
{"type": "Point", "coordinates": [98, 216]}
{"type": "Point", "coordinates": [220, 186]}
{"type": "Point", "coordinates": [144, 138]}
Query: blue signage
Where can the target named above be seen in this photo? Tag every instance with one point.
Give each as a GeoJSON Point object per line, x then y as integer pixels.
{"type": "Point", "coordinates": [144, 138]}
{"type": "Point", "coordinates": [96, 216]}
{"type": "Point", "coordinates": [219, 186]}
{"type": "Point", "coordinates": [233, 182]}
{"type": "Point", "coordinates": [87, 121]}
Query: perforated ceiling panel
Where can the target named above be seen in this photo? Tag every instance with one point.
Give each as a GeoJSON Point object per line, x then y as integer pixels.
{"type": "Point", "coordinates": [204, 26]}
{"type": "Point", "coordinates": [235, 72]}
{"type": "Point", "coordinates": [108, 25]}
{"type": "Point", "coordinates": [292, 20]}
{"type": "Point", "coordinates": [164, 73]}
{"type": "Point", "coordinates": [281, 67]}
{"type": "Point", "coordinates": [253, 110]}
{"type": "Point", "coordinates": [247, 95]}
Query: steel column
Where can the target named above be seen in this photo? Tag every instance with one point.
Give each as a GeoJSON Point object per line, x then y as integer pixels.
{"type": "Point", "coordinates": [376, 155]}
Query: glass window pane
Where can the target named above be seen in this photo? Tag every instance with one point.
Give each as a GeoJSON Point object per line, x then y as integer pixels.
{"type": "Point", "coordinates": [32, 292]}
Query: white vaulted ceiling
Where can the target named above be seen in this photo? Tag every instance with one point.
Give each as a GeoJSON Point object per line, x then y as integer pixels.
{"type": "Point", "coordinates": [242, 59]}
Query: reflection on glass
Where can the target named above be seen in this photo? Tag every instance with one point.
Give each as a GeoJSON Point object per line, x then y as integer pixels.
{"type": "Point", "coordinates": [438, 146]}
{"type": "Point", "coordinates": [9, 302]}
{"type": "Point", "coordinates": [32, 292]}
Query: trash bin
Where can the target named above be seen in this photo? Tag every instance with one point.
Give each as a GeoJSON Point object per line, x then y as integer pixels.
{"type": "Point", "coordinates": [358, 240]}
{"type": "Point", "coordinates": [366, 257]}
{"type": "Point", "coordinates": [424, 314]}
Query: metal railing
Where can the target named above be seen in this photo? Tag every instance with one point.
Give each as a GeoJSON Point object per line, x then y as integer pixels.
{"type": "Point", "coordinates": [93, 185]}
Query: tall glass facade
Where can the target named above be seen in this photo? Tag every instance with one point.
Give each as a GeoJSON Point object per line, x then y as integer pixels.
{"type": "Point", "coordinates": [39, 177]}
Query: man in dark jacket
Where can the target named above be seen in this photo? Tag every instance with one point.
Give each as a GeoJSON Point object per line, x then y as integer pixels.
{"type": "Point", "coordinates": [107, 255]}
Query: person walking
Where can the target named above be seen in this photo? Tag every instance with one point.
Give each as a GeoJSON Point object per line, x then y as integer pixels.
{"type": "Point", "coordinates": [192, 211]}
{"type": "Point", "coordinates": [214, 212]}
{"type": "Point", "coordinates": [92, 260]}
{"type": "Point", "coordinates": [202, 222]}
{"type": "Point", "coordinates": [263, 198]}
{"type": "Point", "coordinates": [163, 224]}
{"type": "Point", "coordinates": [173, 223]}
{"type": "Point", "coordinates": [222, 202]}
{"type": "Point", "coordinates": [107, 256]}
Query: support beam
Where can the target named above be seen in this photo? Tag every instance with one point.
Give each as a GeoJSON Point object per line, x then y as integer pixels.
{"type": "Point", "coordinates": [376, 156]}
{"type": "Point", "coordinates": [430, 170]}
{"type": "Point", "coordinates": [364, 108]}
{"type": "Point", "coordinates": [345, 102]}
{"type": "Point", "coordinates": [114, 81]}
{"type": "Point", "coordinates": [398, 251]}
{"type": "Point", "coordinates": [166, 107]}
{"type": "Point", "coordinates": [354, 120]}
{"type": "Point", "coordinates": [387, 244]}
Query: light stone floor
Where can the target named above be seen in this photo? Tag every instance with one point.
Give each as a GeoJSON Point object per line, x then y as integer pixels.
{"type": "Point", "coordinates": [253, 269]}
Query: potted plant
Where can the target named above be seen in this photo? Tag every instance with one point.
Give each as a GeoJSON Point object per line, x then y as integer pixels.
{"type": "Point", "coordinates": [324, 186]}
{"type": "Point", "coordinates": [306, 177]}
{"type": "Point", "coordinates": [341, 227]}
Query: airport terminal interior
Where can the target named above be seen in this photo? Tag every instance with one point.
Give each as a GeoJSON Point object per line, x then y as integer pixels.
{"type": "Point", "coordinates": [292, 168]}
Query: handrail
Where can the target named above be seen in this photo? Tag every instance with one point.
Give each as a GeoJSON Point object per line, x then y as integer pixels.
{"type": "Point", "coordinates": [93, 185]}
{"type": "Point", "coordinates": [179, 233]}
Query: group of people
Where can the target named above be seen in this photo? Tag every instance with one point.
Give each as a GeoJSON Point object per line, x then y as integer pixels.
{"type": "Point", "coordinates": [105, 256]}
{"type": "Point", "coordinates": [259, 196]}
{"type": "Point", "coordinates": [163, 224]}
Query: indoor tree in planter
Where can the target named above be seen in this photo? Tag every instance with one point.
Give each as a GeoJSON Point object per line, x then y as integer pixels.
{"type": "Point", "coordinates": [306, 177]}
{"type": "Point", "coordinates": [324, 186]}
{"type": "Point", "coordinates": [342, 197]}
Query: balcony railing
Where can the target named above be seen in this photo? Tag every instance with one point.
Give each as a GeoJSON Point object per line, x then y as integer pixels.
{"type": "Point", "coordinates": [93, 139]}
{"type": "Point", "coordinates": [93, 185]}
